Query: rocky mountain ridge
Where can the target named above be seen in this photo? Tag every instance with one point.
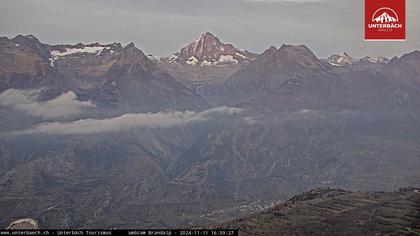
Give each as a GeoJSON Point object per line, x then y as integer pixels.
{"type": "Point", "coordinates": [336, 212]}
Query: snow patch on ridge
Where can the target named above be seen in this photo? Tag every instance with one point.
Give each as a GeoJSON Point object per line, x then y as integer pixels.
{"type": "Point", "coordinates": [227, 59]}
{"type": "Point", "coordinates": [344, 59]}
{"type": "Point", "coordinates": [173, 57]}
{"type": "Point", "coordinates": [192, 60]}
{"type": "Point", "coordinates": [206, 63]}
{"type": "Point", "coordinates": [376, 60]}
{"type": "Point", "coordinates": [70, 51]}
{"type": "Point", "coordinates": [51, 62]}
{"type": "Point", "coordinates": [238, 54]}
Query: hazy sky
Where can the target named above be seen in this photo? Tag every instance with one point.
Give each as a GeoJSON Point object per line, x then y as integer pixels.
{"type": "Point", "coordinates": [161, 27]}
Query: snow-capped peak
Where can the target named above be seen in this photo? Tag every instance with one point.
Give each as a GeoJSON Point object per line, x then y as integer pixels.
{"type": "Point", "coordinates": [344, 59]}
{"type": "Point", "coordinates": [208, 50]}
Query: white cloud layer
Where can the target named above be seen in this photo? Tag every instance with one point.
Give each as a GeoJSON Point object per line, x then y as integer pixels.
{"type": "Point", "coordinates": [130, 121]}
{"type": "Point", "coordinates": [64, 105]}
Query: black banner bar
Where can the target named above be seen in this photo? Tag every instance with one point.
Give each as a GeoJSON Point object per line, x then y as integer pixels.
{"type": "Point", "coordinates": [133, 232]}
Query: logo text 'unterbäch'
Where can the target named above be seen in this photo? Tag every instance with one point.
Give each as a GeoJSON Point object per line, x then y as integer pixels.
{"type": "Point", "coordinates": [384, 20]}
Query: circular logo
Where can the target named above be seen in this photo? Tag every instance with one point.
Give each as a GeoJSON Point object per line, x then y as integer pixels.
{"type": "Point", "coordinates": [385, 15]}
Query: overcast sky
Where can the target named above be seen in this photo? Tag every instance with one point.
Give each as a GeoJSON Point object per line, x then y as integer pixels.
{"type": "Point", "coordinates": [161, 27]}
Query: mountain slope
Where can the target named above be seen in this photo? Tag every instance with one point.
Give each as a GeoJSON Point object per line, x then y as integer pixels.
{"type": "Point", "coordinates": [405, 67]}
{"type": "Point", "coordinates": [133, 81]}
{"type": "Point", "coordinates": [24, 64]}
{"type": "Point", "coordinates": [337, 212]}
{"type": "Point", "coordinates": [287, 68]}
{"type": "Point", "coordinates": [112, 76]}
{"type": "Point", "coordinates": [204, 80]}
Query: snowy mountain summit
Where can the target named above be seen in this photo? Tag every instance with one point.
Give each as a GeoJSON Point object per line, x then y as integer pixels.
{"type": "Point", "coordinates": [208, 50]}
{"type": "Point", "coordinates": [344, 59]}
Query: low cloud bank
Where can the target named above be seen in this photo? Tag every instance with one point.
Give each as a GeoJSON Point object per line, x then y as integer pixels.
{"type": "Point", "coordinates": [130, 121]}
{"type": "Point", "coordinates": [64, 105]}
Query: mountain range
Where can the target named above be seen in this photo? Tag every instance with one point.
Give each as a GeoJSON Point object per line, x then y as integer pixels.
{"type": "Point", "coordinates": [102, 135]}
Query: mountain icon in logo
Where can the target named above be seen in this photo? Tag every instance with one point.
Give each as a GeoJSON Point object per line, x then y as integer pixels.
{"type": "Point", "coordinates": [385, 15]}
{"type": "Point", "coordinates": [385, 18]}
